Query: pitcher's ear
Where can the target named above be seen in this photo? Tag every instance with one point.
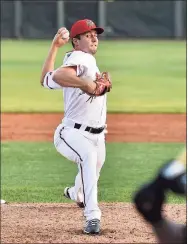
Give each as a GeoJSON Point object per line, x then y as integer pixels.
{"type": "Point", "coordinates": [75, 41]}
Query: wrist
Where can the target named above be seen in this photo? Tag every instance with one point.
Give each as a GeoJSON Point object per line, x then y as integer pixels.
{"type": "Point", "coordinates": [54, 47]}
{"type": "Point", "coordinates": [90, 87]}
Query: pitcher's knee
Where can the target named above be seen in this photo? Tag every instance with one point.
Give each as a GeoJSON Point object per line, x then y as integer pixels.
{"type": "Point", "coordinates": [90, 157]}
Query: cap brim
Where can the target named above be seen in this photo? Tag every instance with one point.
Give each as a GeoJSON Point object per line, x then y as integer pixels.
{"type": "Point", "coordinates": [99, 30]}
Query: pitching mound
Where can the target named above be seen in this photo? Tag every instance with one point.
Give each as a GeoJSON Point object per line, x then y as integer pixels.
{"type": "Point", "coordinates": [63, 223]}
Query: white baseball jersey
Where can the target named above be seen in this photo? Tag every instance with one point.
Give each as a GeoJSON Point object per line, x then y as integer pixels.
{"type": "Point", "coordinates": [78, 107]}
{"type": "Point", "coordinates": [86, 149]}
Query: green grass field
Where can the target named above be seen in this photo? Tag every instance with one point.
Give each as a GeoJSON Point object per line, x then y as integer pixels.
{"type": "Point", "coordinates": [35, 172]}
{"type": "Point", "coordinates": [148, 76]}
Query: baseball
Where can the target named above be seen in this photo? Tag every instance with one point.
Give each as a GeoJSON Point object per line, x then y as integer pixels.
{"type": "Point", "coordinates": [3, 201]}
{"type": "Point", "coordinates": [65, 35]}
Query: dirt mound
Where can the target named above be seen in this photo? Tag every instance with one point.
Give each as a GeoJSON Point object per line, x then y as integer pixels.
{"type": "Point", "coordinates": [63, 223]}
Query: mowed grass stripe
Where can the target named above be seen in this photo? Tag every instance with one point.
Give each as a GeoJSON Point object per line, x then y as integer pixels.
{"type": "Point", "coordinates": [35, 172]}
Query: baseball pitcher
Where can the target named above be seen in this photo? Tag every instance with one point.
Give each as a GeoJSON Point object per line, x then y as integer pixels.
{"type": "Point", "coordinates": [80, 136]}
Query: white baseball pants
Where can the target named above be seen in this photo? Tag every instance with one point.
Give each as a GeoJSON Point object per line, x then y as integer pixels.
{"type": "Point", "coordinates": [88, 151]}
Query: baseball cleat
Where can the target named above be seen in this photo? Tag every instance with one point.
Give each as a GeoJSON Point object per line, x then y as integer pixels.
{"type": "Point", "coordinates": [3, 201]}
{"type": "Point", "coordinates": [67, 195]}
{"type": "Point", "coordinates": [92, 227]}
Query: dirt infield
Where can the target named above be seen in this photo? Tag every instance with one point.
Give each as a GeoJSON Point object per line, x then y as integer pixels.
{"type": "Point", "coordinates": [121, 127]}
{"type": "Point", "coordinates": [63, 223]}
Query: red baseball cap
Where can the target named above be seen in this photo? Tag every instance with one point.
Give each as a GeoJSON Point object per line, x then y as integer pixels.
{"type": "Point", "coordinates": [82, 26]}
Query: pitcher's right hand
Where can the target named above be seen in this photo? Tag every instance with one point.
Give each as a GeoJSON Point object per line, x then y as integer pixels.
{"type": "Point", "coordinates": [58, 40]}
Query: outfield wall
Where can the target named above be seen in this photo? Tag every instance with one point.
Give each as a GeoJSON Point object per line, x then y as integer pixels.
{"type": "Point", "coordinates": [130, 19]}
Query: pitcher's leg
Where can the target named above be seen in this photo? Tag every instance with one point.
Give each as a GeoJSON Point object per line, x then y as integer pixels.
{"type": "Point", "coordinates": [89, 181]}
{"type": "Point", "coordinates": [76, 147]}
{"type": "Point", "coordinates": [75, 192]}
{"type": "Point", "coordinates": [101, 154]}
{"type": "Point", "coordinates": [67, 142]}
{"type": "Point", "coordinates": [85, 189]}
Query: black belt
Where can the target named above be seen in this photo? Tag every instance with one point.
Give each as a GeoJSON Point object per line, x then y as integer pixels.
{"type": "Point", "coordinates": [90, 129]}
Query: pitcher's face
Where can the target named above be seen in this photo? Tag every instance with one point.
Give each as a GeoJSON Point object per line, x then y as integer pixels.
{"type": "Point", "coordinates": [88, 42]}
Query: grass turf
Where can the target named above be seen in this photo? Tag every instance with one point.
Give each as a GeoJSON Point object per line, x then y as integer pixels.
{"type": "Point", "coordinates": [148, 76]}
{"type": "Point", "coordinates": [35, 172]}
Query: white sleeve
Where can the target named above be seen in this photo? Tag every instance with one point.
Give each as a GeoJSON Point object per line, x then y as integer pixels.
{"type": "Point", "coordinates": [49, 83]}
{"type": "Point", "coordinates": [78, 60]}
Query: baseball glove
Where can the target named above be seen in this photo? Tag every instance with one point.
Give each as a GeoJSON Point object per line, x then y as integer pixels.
{"type": "Point", "coordinates": [103, 84]}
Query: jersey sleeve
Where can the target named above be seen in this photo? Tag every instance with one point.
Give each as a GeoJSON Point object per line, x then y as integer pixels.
{"type": "Point", "coordinates": [49, 83]}
{"type": "Point", "coordinates": [78, 59]}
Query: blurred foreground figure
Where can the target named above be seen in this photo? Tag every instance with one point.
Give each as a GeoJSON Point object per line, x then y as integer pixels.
{"type": "Point", "coordinates": [149, 200]}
